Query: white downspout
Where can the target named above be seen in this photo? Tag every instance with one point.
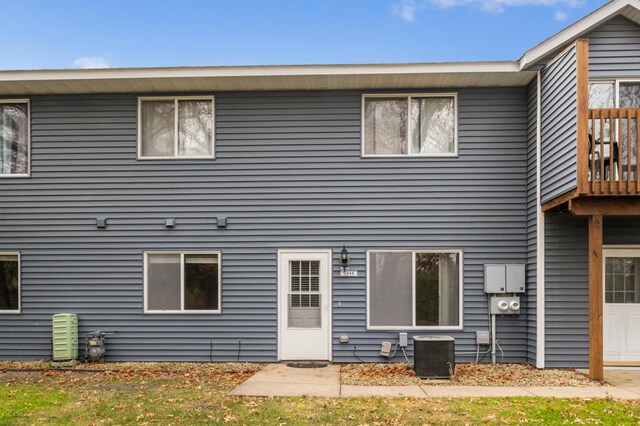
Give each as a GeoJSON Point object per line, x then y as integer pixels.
{"type": "Point", "coordinates": [540, 246]}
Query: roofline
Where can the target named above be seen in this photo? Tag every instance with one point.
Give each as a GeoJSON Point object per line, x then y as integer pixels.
{"type": "Point", "coordinates": [260, 71]}
{"type": "Point", "coordinates": [575, 30]}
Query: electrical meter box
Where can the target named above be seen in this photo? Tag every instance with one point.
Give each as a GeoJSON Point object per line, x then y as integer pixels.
{"type": "Point", "coordinates": [65, 337]}
{"type": "Point", "coordinates": [504, 278]}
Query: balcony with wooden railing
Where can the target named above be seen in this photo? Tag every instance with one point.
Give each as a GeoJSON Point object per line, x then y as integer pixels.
{"type": "Point", "coordinates": [612, 153]}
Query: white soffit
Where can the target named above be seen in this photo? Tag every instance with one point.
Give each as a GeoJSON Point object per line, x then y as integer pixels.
{"type": "Point", "coordinates": [627, 8]}
{"type": "Point", "coordinates": [296, 77]}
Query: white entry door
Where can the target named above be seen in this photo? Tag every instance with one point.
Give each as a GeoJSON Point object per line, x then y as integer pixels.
{"type": "Point", "coordinates": [621, 306]}
{"type": "Point", "coordinates": [304, 301]}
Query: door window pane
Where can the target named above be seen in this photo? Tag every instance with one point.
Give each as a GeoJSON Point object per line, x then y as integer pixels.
{"type": "Point", "coordinates": [437, 289]}
{"type": "Point", "coordinates": [158, 128]}
{"type": "Point", "coordinates": [195, 128]}
{"type": "Point", "coordinates": [390, 288]}
{"type": "Point", "coordinates": [9, 283]}
{"type": "Point", "coordinates": [304, 309]}
{"type": "Point", "coordinates": [385, 126]}
{"type": "Point", "coordinates": [14, 138]}
{"type": "Point", "coordinates": [432, 125]}
{"type": "Point", "coordinates": [163, 282]}
{"type": "Point", "coordinates": [622, 281]}
{"type": "Point", "coordinates": [201, 282]}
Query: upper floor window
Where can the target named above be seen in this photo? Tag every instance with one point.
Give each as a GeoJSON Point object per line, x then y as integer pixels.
{"type": "Point", "coordinates": [14, 137]}
{"type": "Point", "coordinates": [614, 94]}
{"type": "Point", "coordinates": [415, 124]}
{"type": "Point", "coordinates": [176, 127]}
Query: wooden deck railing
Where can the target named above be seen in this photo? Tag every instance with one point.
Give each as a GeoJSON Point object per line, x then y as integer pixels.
{"type": "Point", "coordinates": [613, 152]}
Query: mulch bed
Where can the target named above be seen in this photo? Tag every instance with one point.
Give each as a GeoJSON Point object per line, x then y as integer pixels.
{"type": "Point", "coordinates": [399, 374]}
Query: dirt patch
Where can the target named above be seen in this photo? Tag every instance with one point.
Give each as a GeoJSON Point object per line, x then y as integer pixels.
{"type": "Point", "coordinates": [399, 374]}
{"type": "Point", "coordinates": [127, 375]}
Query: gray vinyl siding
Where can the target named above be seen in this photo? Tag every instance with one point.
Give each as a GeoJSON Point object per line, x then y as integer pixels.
{"type": "Point", "coordinates": [567, 283]}
{"type": "Point", "coordinates": [614, 50]}
{"type": "Point", "coordinates": [558, 127]}
{"type": "Point", "coordinates": [532, 212]}
{"type": "Point", "coordinates": [287, 174]}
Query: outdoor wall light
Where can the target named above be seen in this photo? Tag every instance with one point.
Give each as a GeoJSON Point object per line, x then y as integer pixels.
{"type": "Point", "coordinates": [101, 222]}
{"type": "Point", "coordinates": [170, 222]}
{"type": "Point", "coordinates": [344, 258]}
{"type": "Point", "coordinates": [221, 222]}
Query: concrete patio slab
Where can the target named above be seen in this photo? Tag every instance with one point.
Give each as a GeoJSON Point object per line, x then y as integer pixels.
{"type": "Point", "coordinates": [474, 391]}
{"type": "Point", "coordinates": [348, 391]}
{"type": "Point", "coordinates": [280, 380]}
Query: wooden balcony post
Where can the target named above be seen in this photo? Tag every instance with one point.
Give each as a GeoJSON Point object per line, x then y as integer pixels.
{"type": "Point", "coordinates": [596, 370]}
{"type": "Point", "coordinates": [582, 114]}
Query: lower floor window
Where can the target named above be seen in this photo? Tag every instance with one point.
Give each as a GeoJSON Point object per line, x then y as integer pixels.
{"type": "Point", "coordinates": [9, 282]}
{"type": "Point", "coordinates": [414, 289]}
{"type": "Point", "coordinates": [182, 282]}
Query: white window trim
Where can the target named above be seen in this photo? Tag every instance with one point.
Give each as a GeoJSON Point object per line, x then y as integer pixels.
{"type": "Point", "coordinates": [28, 102]}
{"type": "Point", "coordinates": [453, 95]}
{"type": "Point", "coordinates": [459, 252]}
{"type": "Point", "coordinates": [19, 310]}
{"type": "Point", "coordinates": [175, 155]}
{"type": "Point", "coordinates": [182, 253]}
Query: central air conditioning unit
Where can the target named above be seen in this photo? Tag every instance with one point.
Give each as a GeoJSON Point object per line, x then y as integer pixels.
{"type": "Point", "coordinates": [65, 338]}
{"type": "Point", "coordinates": [434, 356]}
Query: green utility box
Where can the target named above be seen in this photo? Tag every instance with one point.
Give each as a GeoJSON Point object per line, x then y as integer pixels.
{"type": "Point", "coordinates": [65, 337]}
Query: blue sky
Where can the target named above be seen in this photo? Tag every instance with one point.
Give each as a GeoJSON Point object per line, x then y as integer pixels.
{"type": "Point", "coordinates": [145, 33]}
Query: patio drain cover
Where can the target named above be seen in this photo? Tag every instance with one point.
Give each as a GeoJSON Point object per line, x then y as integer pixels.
{"type": "Point", "coordinates": [306, 365]}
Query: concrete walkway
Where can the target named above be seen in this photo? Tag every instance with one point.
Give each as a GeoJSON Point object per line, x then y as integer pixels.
{"type": "Point", "coordinates": [280, 380]}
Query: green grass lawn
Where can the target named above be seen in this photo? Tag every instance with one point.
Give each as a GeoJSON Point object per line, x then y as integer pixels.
{"type": "Point", "coordinates": [199, 397]}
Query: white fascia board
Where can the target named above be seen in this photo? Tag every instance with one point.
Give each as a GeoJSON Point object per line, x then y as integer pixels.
{"type": "Point", "coordinates": [575, 30]}
{"type": "Point", "coordinates": [260, 71]}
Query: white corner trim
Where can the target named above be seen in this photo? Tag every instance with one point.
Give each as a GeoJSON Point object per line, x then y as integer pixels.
{"type": "Point", "coordinates": [540, 243]}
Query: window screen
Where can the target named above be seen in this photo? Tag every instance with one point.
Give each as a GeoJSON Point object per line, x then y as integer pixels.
{"type": "Point", "coordinates": [385, 122]}
{"type": "Point", "coordinates": [163, 282]}
{"type": "Point", "coordinates": [390, 282]}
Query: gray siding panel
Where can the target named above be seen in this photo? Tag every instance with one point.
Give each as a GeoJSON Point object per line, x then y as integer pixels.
{"type": "Point", "coordinates": [558, 127]}
{"type": "Point", "coordinates": [567, 283]}
{"type": "Point", "coordinates": [532, 212]}
{"type": "Point", "coordinates": [614, 50]}
{"type": "Point", "coordinates": [287, 174]}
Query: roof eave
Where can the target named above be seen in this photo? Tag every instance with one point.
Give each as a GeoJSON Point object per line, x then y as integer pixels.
{"type": "Point", "coordinates": [575, 30]}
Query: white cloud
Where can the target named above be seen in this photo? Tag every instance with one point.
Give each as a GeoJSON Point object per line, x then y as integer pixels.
{"type": "Point", "coordinates": [560, 16]}
{"type": "Point", "coordinates": [91, 62]}
{"type": "Point", "coordinates": [409, 7]}
{"type": "Point", "coordinates": [406, 9]}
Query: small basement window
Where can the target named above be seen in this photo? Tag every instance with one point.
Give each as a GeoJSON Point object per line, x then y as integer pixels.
{"type": "Point", "coordinates": [178, 282]}
{"type": "Point", "coordinates": [14, 138]}
{"type": "Point", "coordinates": [414, 289]}
{"type": "Point", "coordinates": [9, 283]}
{"type": "Point", "coordinates": [405, 125]}
{"type": "Point", "coordinates": [175, 128]}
